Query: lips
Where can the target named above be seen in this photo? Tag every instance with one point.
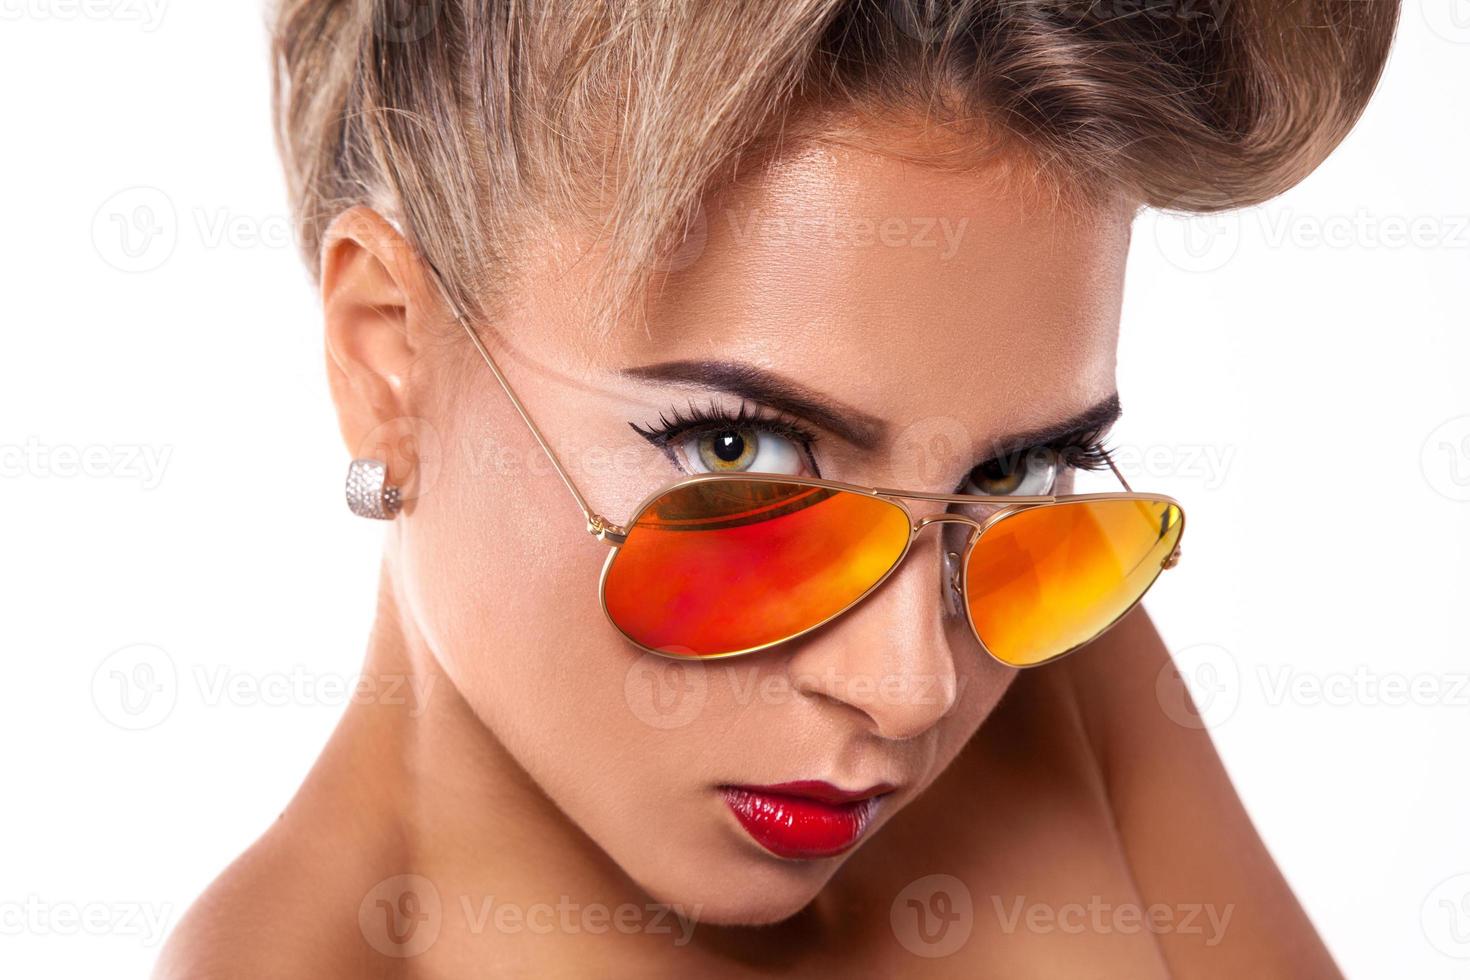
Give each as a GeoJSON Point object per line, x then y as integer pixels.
{"type": "Point", "coordinates": [804, 820]}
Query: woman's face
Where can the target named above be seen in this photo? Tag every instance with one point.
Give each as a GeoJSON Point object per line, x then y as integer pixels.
{"type": "Point", "coordinates": [887, 323]}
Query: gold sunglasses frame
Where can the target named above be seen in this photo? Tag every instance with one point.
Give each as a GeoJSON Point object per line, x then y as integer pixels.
{"type": "Point", "coordinates": [614, 534]}
{"type": "Point", "coordinates": [1009, 506]}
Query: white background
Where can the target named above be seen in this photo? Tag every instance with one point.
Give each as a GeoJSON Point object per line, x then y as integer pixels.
{"type": "Point", "coordinates": [1295, 373]}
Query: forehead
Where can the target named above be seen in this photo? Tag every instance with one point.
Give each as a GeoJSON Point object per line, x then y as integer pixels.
{"type": "Point", "coordinates": [914, 292]}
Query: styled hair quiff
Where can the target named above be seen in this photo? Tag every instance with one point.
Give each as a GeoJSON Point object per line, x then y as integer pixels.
{"type": "Point", "coordinates": [477, 124]}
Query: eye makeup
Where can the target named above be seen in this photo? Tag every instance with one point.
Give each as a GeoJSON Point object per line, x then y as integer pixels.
{"type": "Point", "coordinates": [698, 421]}
{"type": "Point", "coordinates": [1077, 445]}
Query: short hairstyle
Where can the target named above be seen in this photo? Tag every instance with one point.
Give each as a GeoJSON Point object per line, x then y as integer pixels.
{"type": "Point", "coordinates": [475, 125]}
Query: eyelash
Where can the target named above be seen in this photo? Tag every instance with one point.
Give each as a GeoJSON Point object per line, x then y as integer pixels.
{"type": "Point", "coordinates": [1085, 451]}
{"type": "Point", "coordinates": [1078, 451]}
{"type": "Point", "coordinates": [702, 421]}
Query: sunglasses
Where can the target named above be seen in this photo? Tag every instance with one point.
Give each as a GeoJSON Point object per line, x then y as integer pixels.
{"type": "Point", "coordinates": [727, 564]}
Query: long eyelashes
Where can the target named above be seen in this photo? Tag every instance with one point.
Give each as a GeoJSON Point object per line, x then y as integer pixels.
{"type": "Point", "coordinates": [1085, 450]}
{"type": "Point", "coordinates": [1078, 450]}
{"type": "Point", "coordinates": [706, 420]}
{"type": "Point", "coordinates": [1088, 453]}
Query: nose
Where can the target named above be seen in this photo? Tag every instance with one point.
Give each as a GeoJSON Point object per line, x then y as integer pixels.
{"type": "Point", "coordinates": [889, 658]}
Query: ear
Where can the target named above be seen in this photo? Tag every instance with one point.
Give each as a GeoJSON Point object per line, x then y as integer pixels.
{"type": "Point", "coordinates": [370, 281]}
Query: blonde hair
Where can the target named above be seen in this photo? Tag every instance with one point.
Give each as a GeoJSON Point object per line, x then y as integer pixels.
{"type": "Point", "coordinates": [476, 124]}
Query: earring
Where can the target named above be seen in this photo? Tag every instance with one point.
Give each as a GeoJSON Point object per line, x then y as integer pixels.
{"type": "Point", "coordinates": [368, 493]}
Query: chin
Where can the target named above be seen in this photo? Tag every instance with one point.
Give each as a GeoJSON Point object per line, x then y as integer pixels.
{"type": "Point", "coordinates": [744, 891]}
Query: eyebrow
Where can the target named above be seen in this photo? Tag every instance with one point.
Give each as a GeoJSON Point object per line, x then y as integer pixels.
{"type": "Point", "coordinates": [856, 427]}
{"type": "Point", "coordinates": [769, 388]}
{"type": "Point", "coordinates": [1066, 434]}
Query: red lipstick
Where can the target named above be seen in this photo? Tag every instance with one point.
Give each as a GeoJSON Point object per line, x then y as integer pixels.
{"type": "Point", "coordinates": [803, 820]}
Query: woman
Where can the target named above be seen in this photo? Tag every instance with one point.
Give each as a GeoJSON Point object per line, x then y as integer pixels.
{"type": "Point", "coordinates": [572, 254]}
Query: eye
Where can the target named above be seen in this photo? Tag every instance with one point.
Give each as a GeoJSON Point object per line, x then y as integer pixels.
{"type": "Point", "coordinates": [714, 439]}
{"type": "Point", "coordinates": [1024, 474]}
{"type": "Point", "coordinates": [740, 450]}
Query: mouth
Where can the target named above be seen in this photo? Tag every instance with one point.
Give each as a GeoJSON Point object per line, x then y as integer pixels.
{"type": "Point", "coordinates": [804, 820]}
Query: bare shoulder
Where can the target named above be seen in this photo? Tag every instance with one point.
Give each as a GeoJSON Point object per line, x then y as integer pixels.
{"type": "Point", "coordinates": [287, 907]}
{"type": "Point", "coordinates": [1223, 906]}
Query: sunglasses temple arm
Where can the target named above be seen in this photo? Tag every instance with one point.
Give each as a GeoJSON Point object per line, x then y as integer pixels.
{"type": "Point", "coordinates": [597, 525]}
{"type": "Point", "coordinates": [1109, 459]}
{"type": "Point", "coordinates": [1173, 557]}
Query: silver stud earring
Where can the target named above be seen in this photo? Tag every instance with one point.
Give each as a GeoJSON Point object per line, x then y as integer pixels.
{"type": "Point", "coordinates": [368, 493]}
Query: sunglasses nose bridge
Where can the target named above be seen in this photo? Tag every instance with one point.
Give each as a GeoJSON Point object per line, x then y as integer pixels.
{"type": "Point", "coordinates": [954, 590]}
{"type": "Point", "coordinates": [946, 518]}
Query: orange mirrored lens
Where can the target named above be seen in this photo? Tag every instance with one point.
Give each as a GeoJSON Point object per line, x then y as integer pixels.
{"type": "Point", "coordinates": [724, 566]}
{"type": "Point", "coordinates": [1045, 580]}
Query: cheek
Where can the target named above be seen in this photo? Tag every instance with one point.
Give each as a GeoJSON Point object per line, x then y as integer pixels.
{"type": "Point", "coordinates": [982, 682]}
{"type": "Point", "coordinates": [501, 581]}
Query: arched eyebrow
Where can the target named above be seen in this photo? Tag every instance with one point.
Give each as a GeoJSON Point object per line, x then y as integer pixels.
{"type": "Point", "coordinates": [859, 428]}
{"type": "Point", "coordinates": [863, 430]}
{"type": "Point", "coordinates": [1065, 434]}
